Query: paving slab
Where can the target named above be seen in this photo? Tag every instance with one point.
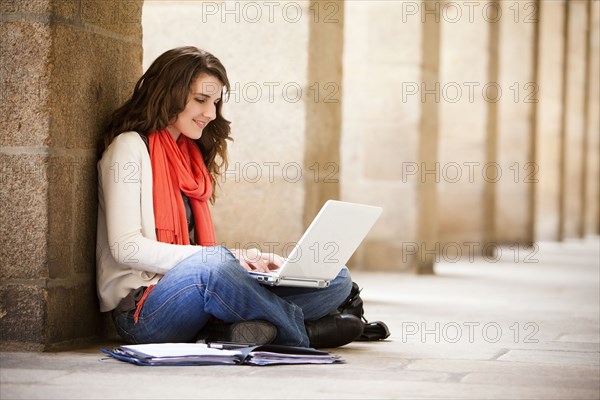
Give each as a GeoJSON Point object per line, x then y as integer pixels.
{"type": "Point", "coordinates": [552, 357]}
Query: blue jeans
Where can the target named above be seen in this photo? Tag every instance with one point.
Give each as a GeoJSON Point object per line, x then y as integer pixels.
{"type": "Point", "coordinates": [213, 283]}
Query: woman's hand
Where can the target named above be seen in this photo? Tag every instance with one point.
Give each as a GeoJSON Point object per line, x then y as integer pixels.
{"type": "Point", "coordinates": [254, 260]}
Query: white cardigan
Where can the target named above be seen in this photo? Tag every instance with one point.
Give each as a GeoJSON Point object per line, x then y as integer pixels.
{"type": "Point", "coordinates": [127, 253]}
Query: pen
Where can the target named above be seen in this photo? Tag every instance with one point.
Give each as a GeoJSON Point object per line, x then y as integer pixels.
{"type": "Point", "coordinates": [229, 345]}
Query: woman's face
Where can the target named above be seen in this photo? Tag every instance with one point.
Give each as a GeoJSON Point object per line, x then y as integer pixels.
{"type": "Point", "coordinates": [200, 109]}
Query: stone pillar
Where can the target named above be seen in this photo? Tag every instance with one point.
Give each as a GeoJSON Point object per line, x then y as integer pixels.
{"type": "Point", "coordinates": [65, 66]}
{"type": "Point", "coordinates": [465, 91]}
{"type": "Point", "coordinates": [323, 106]}
{"type": "Point", "coordinates": [591, 197]}
{"type": "Point", "coordinates": [572, 173]}
{"type": "Point", "coordinates": [513, 152]}
{"type": "Point", "coordinates": [381, 126]}
{"type": "Point", "coordinates": [492, 95]}
{"type": "Point", "coordinates": [427, 231]}
{"type": "Point", "coordinates": [549, 115]}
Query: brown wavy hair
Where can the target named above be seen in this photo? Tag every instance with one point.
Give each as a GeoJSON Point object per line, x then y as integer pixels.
{"type": "Point", "coordinates": [163, 92]}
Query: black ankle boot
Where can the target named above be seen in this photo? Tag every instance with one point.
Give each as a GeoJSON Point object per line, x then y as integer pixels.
{"type": "Point", "coordinates": [250, 332]}
{"type": "Point", "coordinates": [333, 330]}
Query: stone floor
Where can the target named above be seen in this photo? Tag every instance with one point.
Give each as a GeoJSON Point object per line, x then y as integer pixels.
{"type": "Point", "coordinates": [524, 327]}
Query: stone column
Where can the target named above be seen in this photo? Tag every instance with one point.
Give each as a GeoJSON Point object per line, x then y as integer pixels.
{"type": "Point", "coordinates": [549, 115]}
{"type": "Point", "coordinates": [323, 106]}
{"type": "Point", "coordinates": [492, 199]}
{"type": "Point", "coordinates": [381, 120]}
{"type": "Point", "coordinates": [591, 195]}
{"type": "Point", "coordinates": [572, 135]}
{"type": "Point", "coordinates": [65, 66]}
{"type": "Point", "coordinates": [513, 153]}
{"type": "Point", "coordinates": [465, 92]}
{"type": "Point", "coordinates": [427, 230]}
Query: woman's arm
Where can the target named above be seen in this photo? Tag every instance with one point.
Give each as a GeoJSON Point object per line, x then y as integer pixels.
{"type": "Point", "coordinates": [125, 179]}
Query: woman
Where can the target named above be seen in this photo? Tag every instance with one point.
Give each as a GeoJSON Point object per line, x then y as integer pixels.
{"type": "Point", "coordinates": [158, 267]}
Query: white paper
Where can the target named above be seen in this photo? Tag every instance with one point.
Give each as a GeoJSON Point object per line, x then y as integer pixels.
{"type": "Point", "coordinates": [160, 350]}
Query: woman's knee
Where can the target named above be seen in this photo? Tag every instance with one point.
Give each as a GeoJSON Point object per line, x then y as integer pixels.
{"type": "Point", "coordinates": [344, 279]}
{"type": "Point", "coordinates": [219, 262]}
{"type": "Point", "coordinates": [209, 261]}
{"type": "Point", "coordinates": [342, 284]}
{"type": "Point", "coordinates": [210, 257]}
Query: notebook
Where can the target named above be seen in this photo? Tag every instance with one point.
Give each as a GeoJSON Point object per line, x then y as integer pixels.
{"type": "Point", "coordinates": [172, 354]}
{"type": "Point", "coordinates": [326, 246]}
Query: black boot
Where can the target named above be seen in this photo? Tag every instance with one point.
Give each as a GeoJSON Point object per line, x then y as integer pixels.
{"type": "Point", "coordinates": [248, 332]}
{"type": "Point", "coordinates": [333, 330]}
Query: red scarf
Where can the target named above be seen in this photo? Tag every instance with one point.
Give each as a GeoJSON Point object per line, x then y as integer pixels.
{"type": "Point", "coordinates": [179, 167]}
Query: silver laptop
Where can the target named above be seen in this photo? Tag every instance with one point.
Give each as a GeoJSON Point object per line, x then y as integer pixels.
{"type": "Point", "coordinates": [326, 246]}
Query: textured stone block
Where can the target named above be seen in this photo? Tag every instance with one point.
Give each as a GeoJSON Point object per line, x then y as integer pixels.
{"type": "Point", "coordinates": [41, 8]}
{"type": "Point", "coordinates": [25, 50]}
{"type": "Point", "coordinates": [23, 216]}
{"type": "Point", "coordinates": [68, 9]}
{"type": "Point", "coordinates": [19, 6]}
{"type": "Point", "coordinates": [61, 182]}
{"type": "Point", "coordinates": [90, 92]}
{"type": "Point", "coordinates": [85, 206]}
{"type": "Point", "coordinates": [72, 311]}
{"type": "Point", "coordinates": [122, 17]}
{"type": "Point", "coordinates": [22, 314]}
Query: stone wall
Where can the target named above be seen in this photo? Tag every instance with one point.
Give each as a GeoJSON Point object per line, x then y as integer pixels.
{"type": "Point", "coordinates": [65, 66]}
